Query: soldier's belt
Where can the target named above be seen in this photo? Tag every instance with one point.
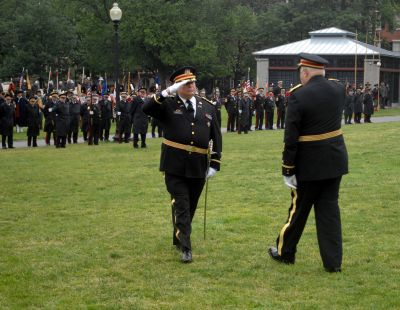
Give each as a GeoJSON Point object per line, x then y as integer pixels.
{"type": "Point", "coordinates": [320, 137]}
{"type": "Point", "coordinates": [188, 148]}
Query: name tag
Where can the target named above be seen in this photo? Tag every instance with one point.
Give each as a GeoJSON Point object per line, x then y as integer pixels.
{"type": "Point", "coordinates": [178, 111]}
{"type": "Point", "coordinates": [209, 116]}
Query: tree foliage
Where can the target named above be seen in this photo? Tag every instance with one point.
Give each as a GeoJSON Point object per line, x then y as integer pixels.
{"type": "Point", "coordinates": [216, 36]}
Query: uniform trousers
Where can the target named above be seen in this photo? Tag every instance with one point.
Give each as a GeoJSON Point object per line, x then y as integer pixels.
{"type": "Point", "coordinates": [231, 122]}
{"type": "Point", "coordinates": [259, 120]}
{"type": "Point", "coordinates": [323, 194]}
{"type": "Point", "coordinates": [185, 193]}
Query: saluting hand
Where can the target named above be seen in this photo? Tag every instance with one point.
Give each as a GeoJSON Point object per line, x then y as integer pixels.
{"type": "Point", "coordinates": [171, 90]}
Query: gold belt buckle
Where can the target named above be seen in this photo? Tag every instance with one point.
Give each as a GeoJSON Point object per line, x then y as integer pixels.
{"type": "Point", "coordinates": [190, 148]}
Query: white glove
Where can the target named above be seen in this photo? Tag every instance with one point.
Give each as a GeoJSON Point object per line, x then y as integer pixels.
{"type": "Point", "coordinates": [50, 109]}
{"type": "Point", "coordinates": [240, 111]}
{"type": "Point", "coordinates": [211, 172]}
{"type": "Point", "coordinates": [173, 88]}
{"type": "Point", "coordinates": [91, 113]}
{"type": "Point", "coordinates": [290, 181]}
{"type": "Point", "coordinates": [118, 113]}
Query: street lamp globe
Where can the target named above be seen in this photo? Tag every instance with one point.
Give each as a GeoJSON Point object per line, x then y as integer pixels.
{"type": "Point", "coordinates": [115, 13]}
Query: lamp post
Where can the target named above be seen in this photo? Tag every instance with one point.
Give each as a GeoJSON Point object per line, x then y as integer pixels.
{"type": "Point", "coordinates": [115, 15]}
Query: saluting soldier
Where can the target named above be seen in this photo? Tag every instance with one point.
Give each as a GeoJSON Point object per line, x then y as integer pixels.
{"type": "Point", "coordinates": [231, 108]}
{"type": "Point", "coordinates": [74, 116]}
{"type": "Point", "coordinates": [269, 108]}
{"type": "Point", "coordinates": [85, 117]}
{"type": "Point", "coordinates": [190, 122]}
{"type": "Point", "coordinates": [259, 107]}
{"type": "Point", "coordinates": [140, 119]}
{"type": "Point", "coordinates": [348, 106]}
{"type": "Point", "coordinates": [124, 115]}
{"type": "Point", "coordinates": [314, 160]}
{"type": "Point", "coordinates": [244, 112]}
{"type": "Point", "coordinates": [358, 106]}
{"type": "Point", "coordinates": [281, 109]}
{"type": "Point", "coordinates": [368, 105]}
{"type": "Point", "coordinates": [62, 120]}
{"type": "Point", "coordinates": [94, 121]}
{"type": "Point", "coordinates": [33, 121]}
{"type": "Point", "coordinates": [50, 117]}
{"type": "Point", "coordinates": [7, 116]}
{"type": "Point", "coordinates": [106, 116]}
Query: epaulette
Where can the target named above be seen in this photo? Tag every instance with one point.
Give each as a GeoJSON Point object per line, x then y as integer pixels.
{"type": "Point", "coordinates": [209, 101]}
{"type": "Point", "coordinates": [295, 88]}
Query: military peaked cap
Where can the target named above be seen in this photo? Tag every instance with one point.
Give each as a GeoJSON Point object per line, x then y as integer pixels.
{"type": "Point", "coordinates": [312, 61]}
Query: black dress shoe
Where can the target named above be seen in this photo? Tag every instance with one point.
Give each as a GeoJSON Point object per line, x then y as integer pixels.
{"type": "Point", "coordinates": [273, 252]}
{"type": "Point", "coordinates": [333, 269]}
{"type": "Point", "coordinates": [186, 257]}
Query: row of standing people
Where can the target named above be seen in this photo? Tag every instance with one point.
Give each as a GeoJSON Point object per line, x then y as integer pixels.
{"type": "Point", "coordinates": [241, 108]}
{"type": "Point", "coordinates": [358, 103]}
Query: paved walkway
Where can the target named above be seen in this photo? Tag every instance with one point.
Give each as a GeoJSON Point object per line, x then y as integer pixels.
{"type": "Point", "coordinates": [42, 143]}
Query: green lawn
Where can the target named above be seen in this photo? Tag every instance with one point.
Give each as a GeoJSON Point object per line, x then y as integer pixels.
{"type": "Point", "coordinates": [89, 228]}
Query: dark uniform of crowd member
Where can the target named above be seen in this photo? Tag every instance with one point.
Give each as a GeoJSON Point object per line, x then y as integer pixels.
{"type": "Point", "coordinates": [259, 108]}
{"type": "Point", "coordinates": [281, 110]}
{"type": "Point", "coordinates": [314, 160]}
{"type": "Point", "coordinates": [155, 123]}
{"type": "Point", "coordinates": [231, 108]}
{"type": "Point", "coordinates": [190, 122]}
{"type": "Point", "coordinates": [85, 117]}
{"type": "Point", "coordinates": [358, 106]}
{"type": "Point", "coordinates": [33, 121]}
{"type": "Point", "coordinates": [7, 116]}
{"type": "Point", "coordinates": [50, 117]}
{"type": "Point", "coordinates": [94, 120]}
{"type": "Point", "coordinates": [140, 119]}
{"type": "Point", "coordinates": [348, 106]}
{"type": "Point", "coordinates": [106, 116]}
{"type": "Point", "coordinates": [20, 110]}
{"type": "Point", "coordinates": [244, 112]}
{"type": "Point", "coordinates": [269, 108]}
{"type": "Point", "coordinates": [217, 102]}
{"type": "Point", "coordinates": [368, 105]}
{"type": "Point", "coordinates": [277, 90]}
{"type": "Point", "coordinates": [62, 120]}
{"type": "Point", "coordinates": [124, 117]}
{"type": "Point", "coordinates": [74, 118]}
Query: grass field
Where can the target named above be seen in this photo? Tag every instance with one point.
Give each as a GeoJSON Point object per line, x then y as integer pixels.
{"type": "Point", "coordinates": [89, 228]}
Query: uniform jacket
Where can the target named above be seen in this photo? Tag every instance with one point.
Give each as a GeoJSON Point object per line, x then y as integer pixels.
{"type": "Point", "coordinates": [125, 119]}
{"type": "Point", "coordinates": [180, 128]}
{"type": "Point", "coordinates": [358, 103]}
{"type": "Point", "coordinates": [269, 105]}
{"type": "Point", "coordinates": [280, 103]}
{"type": "Point", "coordinates": [74, 115]}
{"type": "Point", "coordinates": [349, 105]}
{"type": "Point", "coordinates": [49, 122]}
{"type": "Point", "coordinates": [259, 103]}
{"type": "Point", "coordinates": [231, 104]}
{"type": "Point", "coordinates": [368, 104]}
{"type": "Point", "coordinates": [244, 110]}
{"type": "Point", "coordinates": [140, 119]}
{"type": "Point", "coordinates": [85, 117]}
{"type": "Point", "coordinates": [314, 109]}
{"type": "Point", "coordinates": [62, 118]}
{"type": "Point", "coordinates": [7, 115]}
{"type": "Point", "coordinates": [33, 120]}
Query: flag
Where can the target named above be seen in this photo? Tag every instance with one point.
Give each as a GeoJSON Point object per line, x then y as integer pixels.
{"type": "Point", "coordinates": [28, 82]}
{"type": "Point", "coordinates": [57, 78]}
{"type": "Point", "coordinates": [104, 89]}
{"type": "Point", "coordinates": [21, 78]}
{"type": "Point", "coordinates": [157, 80]}
{"type": "Point", "coordinates": [48, 81]}
{"type": "Point", "coordinates": [129, 83]}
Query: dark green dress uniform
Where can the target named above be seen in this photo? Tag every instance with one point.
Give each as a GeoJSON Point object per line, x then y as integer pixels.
{"type": "Point", "coordinates": [184, 156]}
{"type": "Point", "coordinates": [315, 152]}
